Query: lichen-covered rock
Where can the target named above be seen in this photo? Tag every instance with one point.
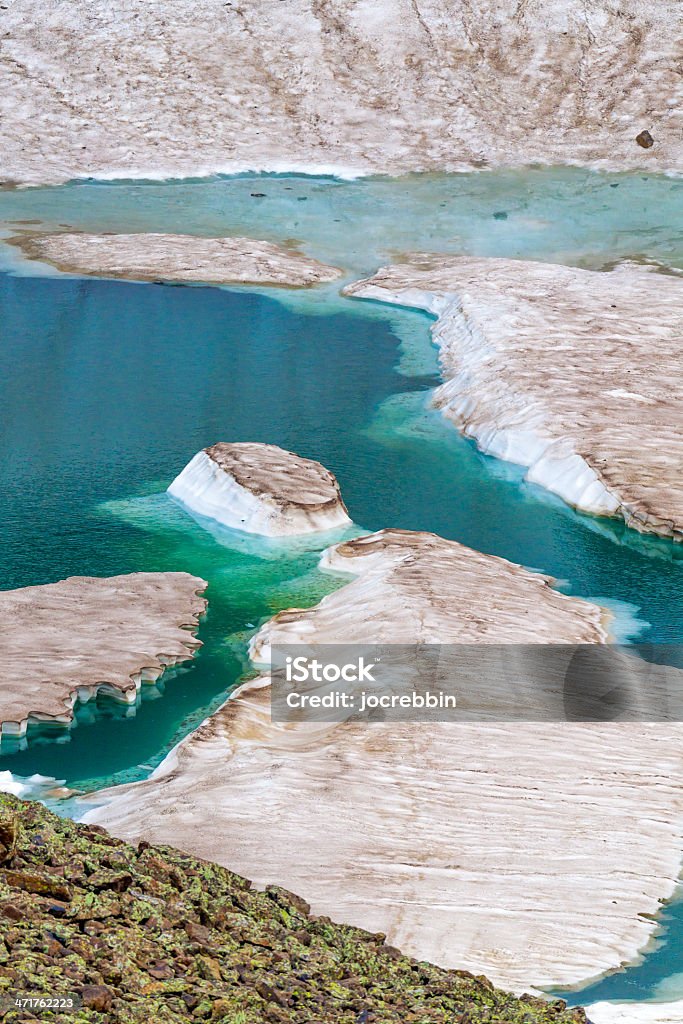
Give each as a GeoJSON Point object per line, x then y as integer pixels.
{"type": "Point", "coordinates": [186, 939]}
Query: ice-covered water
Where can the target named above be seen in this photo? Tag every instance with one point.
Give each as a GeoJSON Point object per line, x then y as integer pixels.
{"type": "Point", "coordinates": [107, 388]}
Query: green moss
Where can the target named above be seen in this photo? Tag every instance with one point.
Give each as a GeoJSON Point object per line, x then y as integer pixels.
{"type": "Point", "coordinates": [149, 933]}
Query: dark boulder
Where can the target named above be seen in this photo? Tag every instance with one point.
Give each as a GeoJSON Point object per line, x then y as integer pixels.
{"type": "Point", "coordinates": [645, 140]}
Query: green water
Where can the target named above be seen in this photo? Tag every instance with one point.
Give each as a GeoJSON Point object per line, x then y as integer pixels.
{"type": "Point", "coordinates": [107, 388]}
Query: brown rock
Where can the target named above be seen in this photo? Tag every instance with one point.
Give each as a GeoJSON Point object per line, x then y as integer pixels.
{"type": "Point", "coordinates": [8, 838]}
{"type": "Point", "coordinates": [222, 1008]}
{"type": "Point", "coordinates": [113, 973]}
{"type": "Point", "coordinates": [198, 933]}
{"type": "Point", "coordinates": [13, 937]}
{"type": "Point", "coordinates": [43, 885]}
{"type": "Point", "coordinates": [153, 889]}
{"type": "Point", "coordinates": [72, 971]}
{"type": "Point", "coordinates": [97, 834]}
{"type": "Point", "coordinates": [117, 881]}
{"type": "Point", "coordinates": [93, 927]}
{"type": "Point", "coordinates": [82, 946]}
{"type": "Point", "coordinates": [209, 968]}
{"type": "Point", "coordinates": [11, 911]}
{"type": "Point", "coordinates": [117, 859]}
{"type": "Point", "coordinates": [265, 990]}
{"type": "Point", "coordinates": [160, 971]}
{"type": "Point", "coordinates": [104, 906]}
{"type": "Point", "coordinates": [285, 898]}
{"type": "Point", "coordinates": [645, 140]}
{"type": "Point", "coordinates": [274, 1014]}
{"type": "Point", "coordinates": [167, 987]}
{"type": "Point", "coordinates": [97, 997]}
{"type": "Point", "coordinates": [154, 866]}
{"type": "Point", "coordinates": [53, 948]}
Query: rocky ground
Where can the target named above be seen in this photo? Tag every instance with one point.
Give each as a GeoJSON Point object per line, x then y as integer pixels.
{"type": "Point", "coordinates": [148, 933]}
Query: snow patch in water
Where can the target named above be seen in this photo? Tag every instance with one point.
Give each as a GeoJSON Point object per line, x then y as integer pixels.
{"type": "Point", "coordinates": [33, 787]}
{"type": "Point", "coordinates": [208, 488]}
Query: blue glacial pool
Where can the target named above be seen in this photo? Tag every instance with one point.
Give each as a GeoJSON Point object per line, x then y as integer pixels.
{"type": "Point", "coordinates": [107, 388]}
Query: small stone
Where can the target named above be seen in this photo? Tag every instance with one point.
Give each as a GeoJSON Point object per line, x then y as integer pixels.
{"type": "Point", "coordinates": [160, 971]}
{"type": "Point", "coordinates": [203, 1009]}
{"type": "Point", "coordinates": [222, 1008]}
{"type": "Point", "coordinates": [265, 990]}
{"type": "Point", "coordinates": [645, 140]}
{"type": "Point", "coordinates": [97, 834]}
{"type": "Point", "coordinates": [500, 215]}
{"type": "Point", "coordinates": [13, 936]}
{"type": "Point", "coordinates": [9, 831]}
{"type": "Point", "coordinates": [285, 898]}
{"type": "Point", "coordinates": [105, 878]}
{"type": "Point", "coordinates": [209, 968]}
{"type": "Point", "coordinates": [97, 997]}
{"type": "Point", "coordinates": [11, 911]}
{"type": "Point", "coordinates": [93, 927]}
{"type": "Point", "coordinates": [53, 948]}
{"type": "Point", "coordinates": [197, 933]}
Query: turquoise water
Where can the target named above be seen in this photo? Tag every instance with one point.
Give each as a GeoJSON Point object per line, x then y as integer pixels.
{"type": "Point", "coordinates": [564, 215]}
{"type": "Point", "coordinates": [107, 388]}
{"type": "Point", "coordinates": [658, 977]}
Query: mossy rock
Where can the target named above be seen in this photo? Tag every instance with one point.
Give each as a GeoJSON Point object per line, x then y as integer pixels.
{"type": "Point", "coordinates": [135, 934]}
